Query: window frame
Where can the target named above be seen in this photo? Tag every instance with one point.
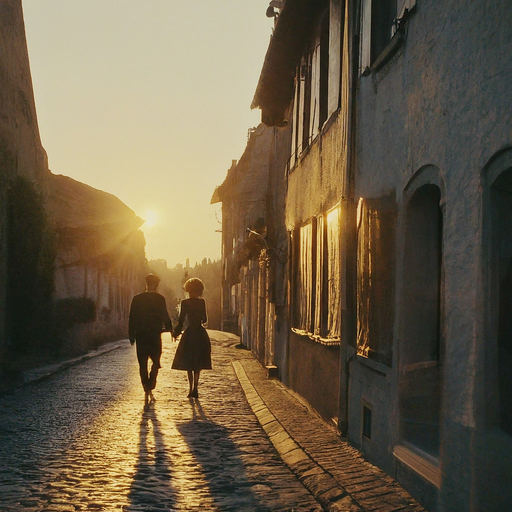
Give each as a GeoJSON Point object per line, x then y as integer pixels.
{"type": "Point", "coordinates": [315, 289]}
{"type": "Point", "coordinates": [373, 56]}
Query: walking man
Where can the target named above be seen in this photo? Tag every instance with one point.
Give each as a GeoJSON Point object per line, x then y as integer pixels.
{"type": "Point", "coordinates": [148, 317]}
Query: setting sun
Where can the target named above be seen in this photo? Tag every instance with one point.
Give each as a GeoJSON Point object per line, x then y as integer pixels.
{"type": "Point", "coordinates": [150, 218]}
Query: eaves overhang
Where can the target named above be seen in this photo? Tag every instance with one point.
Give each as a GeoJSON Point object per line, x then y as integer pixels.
{"type": "Point", "coordinates": [274, 91]}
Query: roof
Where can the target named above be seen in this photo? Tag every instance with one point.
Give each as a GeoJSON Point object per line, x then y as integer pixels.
{"type": "Point", "coordinates": [276, 83]}
{"type": "Point", "coordinates": [88, 221]}
{"type": "Point", "coordinates": [253, 161]}
{"type": "Point", "coordinates": [74, 204]}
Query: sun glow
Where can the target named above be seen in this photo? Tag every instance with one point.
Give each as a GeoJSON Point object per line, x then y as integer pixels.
{"type": "Point", "coordinates": [150, 218]}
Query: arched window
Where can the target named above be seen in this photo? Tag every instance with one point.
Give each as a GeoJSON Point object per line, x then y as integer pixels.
{"type": "Point", "coordinates": [500, 311]}
{"type": "Point", "coordinates": [421, 347]}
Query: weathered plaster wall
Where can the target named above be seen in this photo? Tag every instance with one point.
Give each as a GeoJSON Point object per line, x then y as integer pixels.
{"type": "Point", "coordinates": [252, 186]}
{"type": "Point", "coordinates": [315, 183]}
{"type": "Point", "coordinates": [100, 256]}
{"type": "Point", "coordinates": [444, 100]}
{"type": "Point", "coordinates": [314, 373]}
{"type": "Point", "coordinates": [20, 146]}
{"type": "Point", "coordinates": [19, 133]}
{"type": "Point", "coordinates": [372, 387]}
{"type": "Point", "coordinates": [244, 204]}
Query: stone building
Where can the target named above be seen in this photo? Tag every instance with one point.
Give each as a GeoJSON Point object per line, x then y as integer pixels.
{"type": "Point", "coordinates": [433, 137]}
{"type": "Point", "coordinates": [100, 249]}
{"type": "Point", "coordinates": [398, 212]}
{"type": "Point", "coordinates": [253, 257]}
{"type": "Point", "coordinates": [101, 262]}
{"type": "Point", "coordinates": [304, 86]}
{"type": "Point", "coordinates": [21, 152]}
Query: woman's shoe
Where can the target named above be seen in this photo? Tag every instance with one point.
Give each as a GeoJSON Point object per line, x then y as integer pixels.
{"type": "Point", "coordinates": [194, 394]}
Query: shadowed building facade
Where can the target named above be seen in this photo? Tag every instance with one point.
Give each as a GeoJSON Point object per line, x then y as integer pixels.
{"type": "Point", "coordinates": [99, 249]}
{"type": "Point", "coordinates": [254, 245]}
{"type": "Point", "coordinates": [398, 213]}
{"type": "Point", "coordinates": [21, 152]}
{"type": "Point", "coordinates": [101, 262]}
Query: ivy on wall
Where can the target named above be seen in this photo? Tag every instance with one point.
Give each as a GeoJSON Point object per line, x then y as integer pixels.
{"type": "Point", "coordinates": [30, 268]}
{"type": "Point", "coordinates": [73, 310]}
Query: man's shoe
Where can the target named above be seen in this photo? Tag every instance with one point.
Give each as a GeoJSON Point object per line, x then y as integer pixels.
{"type": "Point", "coordinates": [194, 394]}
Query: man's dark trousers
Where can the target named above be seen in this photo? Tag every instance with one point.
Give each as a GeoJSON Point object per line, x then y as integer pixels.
{"type": "Point", "coordinates": [149, 346]}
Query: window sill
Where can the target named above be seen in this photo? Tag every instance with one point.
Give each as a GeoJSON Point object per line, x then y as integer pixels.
{"type": "Point", "coordinates": [316, 338]}
{"type": "Point", "coordinates": [394, 44]}
{"type": "Point", "coordinates": [421, 463]}
{"type": "Point", "coordinates": [378, 367]}
{"type": "Point", "coordinates": [419, 366]}
{"type": "Point", "coordinates": [330, 121]}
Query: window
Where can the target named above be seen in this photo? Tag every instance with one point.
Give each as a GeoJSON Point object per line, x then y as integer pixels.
{"type": "Point", "coordinates": [320, 288]}
{"type": "Point", "coordinates": [333, 331]}
{"type": "Point", "coordinates": [302, 107]}
{"type": "Point", "coordinates": [382, 25]}
{"type": "Point", "coordinates": [311, 107]}
{"type": "Point", "coordinates": [375, 278]}
{"type": "Point", "coordinates": [306, 72]}
{"type": "Point", "coordinates": [305, 277]}
{"type": "Point", "coordinates": [379, 25]}
{"type": "Point", "coordinates": [422, 347]}
{"type": "Point", "coordinates": [367, 422]}
{"type": "Point", "coordinates": [502, 202]}
{"type": "Point", "coordinates": [316, 267]}
{"type": "Point", "coordinates": [324, 68]}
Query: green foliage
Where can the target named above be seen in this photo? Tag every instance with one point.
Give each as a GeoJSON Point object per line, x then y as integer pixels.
{"type": "Point", "coordinates": [73, 310]}
{"type": "Point", "coordinates": [30, 266]}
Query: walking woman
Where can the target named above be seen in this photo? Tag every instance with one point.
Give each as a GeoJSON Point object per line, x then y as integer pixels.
{"type": "Point", "coordinates": [194, 350]}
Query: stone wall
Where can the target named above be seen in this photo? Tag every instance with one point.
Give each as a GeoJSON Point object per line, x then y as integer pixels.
{"type": "Point", "coordinates": [21, 151]}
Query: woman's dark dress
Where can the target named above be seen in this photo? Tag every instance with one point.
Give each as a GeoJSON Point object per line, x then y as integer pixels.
{"type": "Point", "coordinates": [194, 348]}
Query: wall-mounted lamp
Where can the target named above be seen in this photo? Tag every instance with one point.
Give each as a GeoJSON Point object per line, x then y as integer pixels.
{"type": "Point", "coordinates": [277, 252]}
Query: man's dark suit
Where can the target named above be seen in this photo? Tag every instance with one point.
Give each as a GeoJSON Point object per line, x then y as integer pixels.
{"type": "Point", "coordinates": [148, 316]}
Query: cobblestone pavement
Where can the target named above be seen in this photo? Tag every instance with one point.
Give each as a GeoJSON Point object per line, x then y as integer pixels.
{"type": "Point", "coordinates": [335, 473]}
{"type": "Point", "coordinates": [83, 440]}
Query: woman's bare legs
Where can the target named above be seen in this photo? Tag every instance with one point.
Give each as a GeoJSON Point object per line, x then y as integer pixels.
{"type": "Point", "coordinates": [193, 381]}
{"type": "Point", "coordinates": [196, 379]}
{"type": "Point", "coordinates": [190, 376]}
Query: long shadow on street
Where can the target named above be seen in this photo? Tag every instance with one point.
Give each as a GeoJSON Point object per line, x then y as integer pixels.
{"type": "Point", "coordinates": [152, 488]}
{"type": "Point", "coordinates": [220, 461]}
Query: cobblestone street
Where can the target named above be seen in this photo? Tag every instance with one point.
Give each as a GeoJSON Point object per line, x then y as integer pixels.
{"type": "Point", "coordinates": [82, 440]}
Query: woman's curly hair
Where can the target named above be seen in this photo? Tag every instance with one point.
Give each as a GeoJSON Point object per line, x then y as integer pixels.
{"type": "Point", "coordinates": [194, 285]}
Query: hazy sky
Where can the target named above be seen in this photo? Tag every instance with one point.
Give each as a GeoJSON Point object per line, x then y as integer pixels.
{"type": "Point", "coordinates": [149, 100]}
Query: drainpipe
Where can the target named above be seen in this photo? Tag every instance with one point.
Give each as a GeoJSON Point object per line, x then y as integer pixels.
{"type": "Point", "coordinates": [3, 273]}
{"type": "Point", "coordinates": [349, 225]}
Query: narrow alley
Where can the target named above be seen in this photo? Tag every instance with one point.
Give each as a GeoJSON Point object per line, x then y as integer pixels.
{"type": "Point", "coordinates": [83, 440]}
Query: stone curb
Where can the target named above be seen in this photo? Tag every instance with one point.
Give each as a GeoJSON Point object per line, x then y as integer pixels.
{"type": "Point", "coordinates": [43, 372]}
{"type": "Point", "coordinates": [326, 490]}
